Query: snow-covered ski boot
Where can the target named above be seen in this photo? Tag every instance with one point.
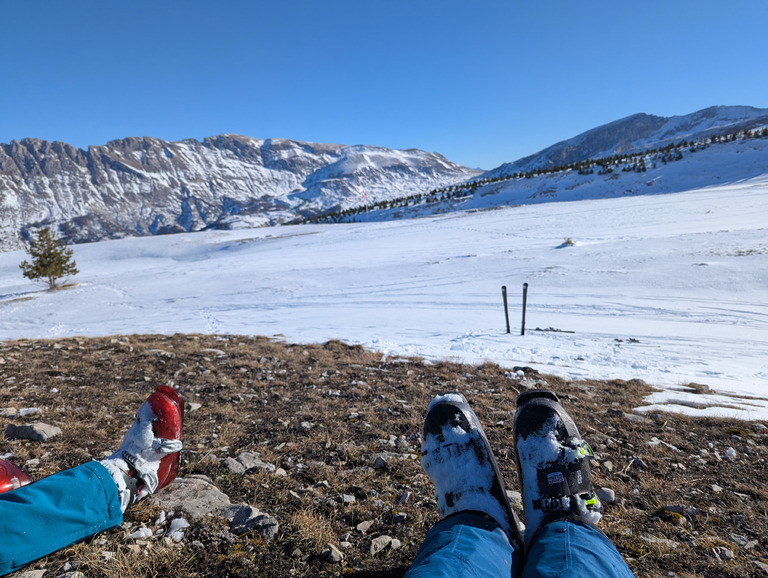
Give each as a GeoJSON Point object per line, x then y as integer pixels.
{"type": "Point", "coordinates": [456, 455]}
{"type": "Point", "coordinates": [11, 476]}
{"type": "Point", "coordinates": [148, 457]}
{"type": "Point", "coordinates": [553, 462]}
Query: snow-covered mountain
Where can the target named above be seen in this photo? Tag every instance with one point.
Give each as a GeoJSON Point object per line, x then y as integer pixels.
{"type": "Point", "coordinates": [140, 186]}
{"type": "Point", "coordinates": [640, 132]}
{"type": "Point", "coordinates": [640, 155]}
{"type": "Point", "coordinates": [146, 186]}
{"type": "Point", "coordinates": [681, 169]}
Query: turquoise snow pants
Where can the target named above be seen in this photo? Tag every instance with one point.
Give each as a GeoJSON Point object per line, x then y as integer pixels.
{"type": "Point", "coordinates": [469, 545]}
{"type": "Point", "coordinates": [54, 512]}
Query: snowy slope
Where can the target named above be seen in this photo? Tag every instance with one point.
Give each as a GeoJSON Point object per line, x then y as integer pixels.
{"type": "Point", "coordinates": [666, 288]}
{"type": "Point", "coordinates": [713, 165]}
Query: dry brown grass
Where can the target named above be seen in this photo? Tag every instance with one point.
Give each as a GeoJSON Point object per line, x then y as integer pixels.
{"type": "Point", "coordinates": [322, 412]}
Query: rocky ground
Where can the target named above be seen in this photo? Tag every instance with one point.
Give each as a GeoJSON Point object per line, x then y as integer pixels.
{"type": "Point", "coordinates": [304, 459]}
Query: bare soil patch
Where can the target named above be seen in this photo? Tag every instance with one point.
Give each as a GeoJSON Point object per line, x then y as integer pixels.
{"type": "Point", "coordinates": [324, 413]}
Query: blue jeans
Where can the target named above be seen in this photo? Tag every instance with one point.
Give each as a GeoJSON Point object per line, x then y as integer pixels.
{"type": "Point", "coordinates": [468, 544]}
{"type": "Point", "coordinates": [54, 512]}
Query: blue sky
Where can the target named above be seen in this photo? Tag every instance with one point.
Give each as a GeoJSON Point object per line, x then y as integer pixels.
{"type": "Point", "coordinates": [480, 82]}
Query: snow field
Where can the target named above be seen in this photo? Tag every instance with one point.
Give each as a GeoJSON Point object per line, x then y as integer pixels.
{"type": "Point", "coordinates": [670, 289]}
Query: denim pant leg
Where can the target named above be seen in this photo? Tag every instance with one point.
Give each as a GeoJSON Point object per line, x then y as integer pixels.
{"type": "Point", "coordinates": [54, 512]}
{"type": "Point", "coordinates": [566, 549]}
{"type": "Point", "coordinates": [466, 544]}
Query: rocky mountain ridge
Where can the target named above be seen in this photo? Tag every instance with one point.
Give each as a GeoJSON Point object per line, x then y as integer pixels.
{"type": "Point", "coordinates": [147, 186]}
{"type": "Point", "coordinates": [141, 186]}
{"type": "Point", "coordinates": [639, 132]}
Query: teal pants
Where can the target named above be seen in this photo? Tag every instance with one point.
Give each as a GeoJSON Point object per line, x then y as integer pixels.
{"type": "Point", "coordinates": [54, 512]}
{"type": "Point", "coordinates": [469, 545]}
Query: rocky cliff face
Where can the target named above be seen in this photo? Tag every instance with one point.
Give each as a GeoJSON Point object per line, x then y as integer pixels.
{"type": "Point", "coordinates": [142, 186]}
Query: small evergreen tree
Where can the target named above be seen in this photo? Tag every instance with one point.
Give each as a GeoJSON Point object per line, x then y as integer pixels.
{"type": "Point", "coordinates": [51, 259]}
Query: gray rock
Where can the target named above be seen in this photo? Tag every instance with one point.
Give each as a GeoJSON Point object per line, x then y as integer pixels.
{"type": "Point", "coordinates": [381, 543]}
{"type": "Point", "coordinates": [32, 574]}
{"type": "Point", "coordinates": [663, 543]}
{"type": "Point", "coordinates": [723, 554]}
{"type": "Point", "coordinates": [234, 466]}
{"type": "Point", "coordinates": [606, 495]}
{"type": "Point", "coordinates": [35, 431]}
{"type": "Point", "coordinates": [8, 412]}
{"type": "Point", "coordinates": [379, 463]}
{"type": "Point", "coordinates": [195, 496]}
{"type": "Point", "coordinates": [363, 527]}
{"type": "Point", "coordinates": [739, 539]}
{"type": "Point", "coordinates": [252, 461]}
{"type": "Point", "coordinates": [190, 407]}
{"type": "Point", "coordinates": [638, 463]}
{"type": "Point", "coordinates": [634, 418]}
{"type": "Point", "coordinates": [243, 518]}
{"type": "Point", "coordinates": [332, 554]}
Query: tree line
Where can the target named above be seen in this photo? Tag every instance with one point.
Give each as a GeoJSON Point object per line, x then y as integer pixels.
{"type": "Point", "coordinates": [629, 162]}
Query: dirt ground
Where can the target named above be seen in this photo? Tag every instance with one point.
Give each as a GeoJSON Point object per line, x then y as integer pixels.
{"type": "Point", "coordinates": [321, 414]}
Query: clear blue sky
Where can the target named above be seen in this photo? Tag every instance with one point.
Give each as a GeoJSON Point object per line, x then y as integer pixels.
{"type": "Point", "coordinates": [481, 82]}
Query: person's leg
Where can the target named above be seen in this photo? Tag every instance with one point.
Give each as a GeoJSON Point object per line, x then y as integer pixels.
{"type": "Point", "coordinates": [479, 534]}
{"type": "Point", "coordinates": [54, 512]}
{"type": "Point", "coordinates": [573, 548]}
{"type": "Point", "coordinates": [560, 505]}
{"type": "Point", "coordinates": [465, 544]}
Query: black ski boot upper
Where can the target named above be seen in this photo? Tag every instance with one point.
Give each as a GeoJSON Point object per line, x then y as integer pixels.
{"type": "Point", "coordinates": [553, 462]}
{"type": "Point", "coordinates": [454, 450]}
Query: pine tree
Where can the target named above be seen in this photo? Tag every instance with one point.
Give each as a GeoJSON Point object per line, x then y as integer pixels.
{"type": "Point", "coordinates": [51, 259]}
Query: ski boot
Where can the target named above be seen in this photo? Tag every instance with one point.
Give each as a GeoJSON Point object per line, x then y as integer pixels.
{"type": "Point", "coordinates": [553, 462]}
{"type": "Point", "coordinates": [11, 477]}
{"type": "Point", "coordinates": [456, 455]}
{"type": "Point", "coordinates": [148, 457]}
